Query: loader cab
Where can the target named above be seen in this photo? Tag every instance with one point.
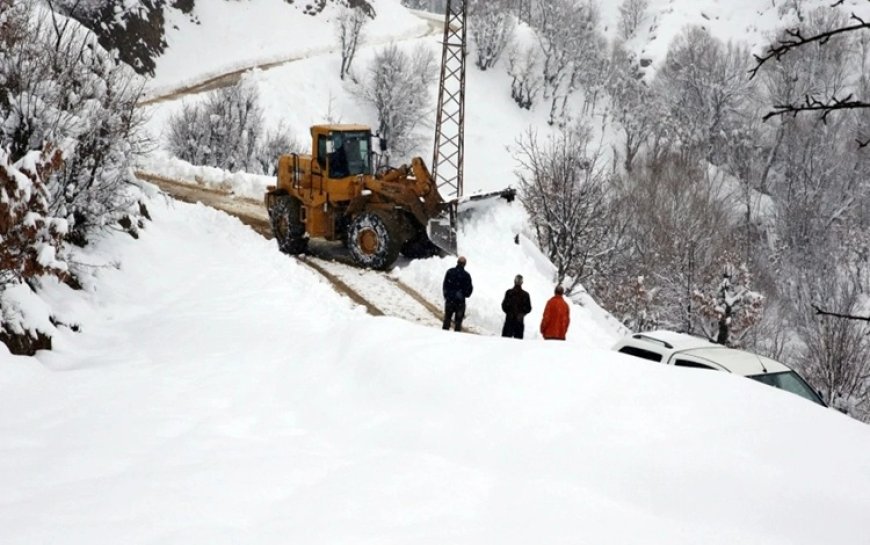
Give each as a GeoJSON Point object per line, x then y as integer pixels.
{"type": "Point", "coordinates": [343, 150]}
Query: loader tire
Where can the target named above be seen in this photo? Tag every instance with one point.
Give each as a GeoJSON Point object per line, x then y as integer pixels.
{"type": "Point", "coordinates": [285, 217]}
{"type": "Point", "coordinates": [374, 240]}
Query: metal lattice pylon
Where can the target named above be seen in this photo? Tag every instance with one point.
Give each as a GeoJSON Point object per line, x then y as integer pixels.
{"type": "Point", "coordinates": [448, 156]}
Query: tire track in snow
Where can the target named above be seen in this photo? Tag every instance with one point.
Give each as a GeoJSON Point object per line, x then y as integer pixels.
{"type": "Point", "coordinates": [378, 292]}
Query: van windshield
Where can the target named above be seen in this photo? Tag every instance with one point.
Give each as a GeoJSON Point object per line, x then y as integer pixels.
{"type": "Point", "coordinates": [790, 382]}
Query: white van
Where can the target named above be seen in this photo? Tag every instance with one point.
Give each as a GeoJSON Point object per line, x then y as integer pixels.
{"type": "Point", "coordinates": [682, 350]}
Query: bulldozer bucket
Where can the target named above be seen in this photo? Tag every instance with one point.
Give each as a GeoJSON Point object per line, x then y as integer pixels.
{"type": "Point", "coordinates": [442, 229]}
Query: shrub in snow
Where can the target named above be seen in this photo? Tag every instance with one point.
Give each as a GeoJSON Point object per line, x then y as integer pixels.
{"type": "Point", "coordinates": [227, 130]}
{"type": "Point", "coordinates": [30, 238]}
{"type": "Point", "coordinates": [490, 25]}
{"type": "Point", "coordinates": [30, 243]}
{"type": "Point", "coordinates": [397, 85]}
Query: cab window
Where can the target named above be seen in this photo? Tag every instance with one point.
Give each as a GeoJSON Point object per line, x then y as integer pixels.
{"type": "Point", "coordinates": [321, 151]}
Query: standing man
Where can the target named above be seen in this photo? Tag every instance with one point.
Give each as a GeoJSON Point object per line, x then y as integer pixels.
{"type": "Point", "coordinates": [516, 304]}
{"type": "Point", "coordinates": [557, 316]}
{"type": "Point", "coordinates": [457, 287]}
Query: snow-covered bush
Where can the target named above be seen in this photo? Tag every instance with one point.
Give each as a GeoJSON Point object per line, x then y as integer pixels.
{"type": "Point", "coordinates": [30, 238]}
{"type": "Point", "coordinates": [397, 86]}
{"type": "Point", "coordinates": [227, 130]}
{"type": "Point", "coordinates": [62, 90]}
{"type": "Point", "coordinates": [69, 134]}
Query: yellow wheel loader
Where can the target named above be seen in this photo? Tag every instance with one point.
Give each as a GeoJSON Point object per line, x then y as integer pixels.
{"type": "Point", "coordinates": [338, 193]}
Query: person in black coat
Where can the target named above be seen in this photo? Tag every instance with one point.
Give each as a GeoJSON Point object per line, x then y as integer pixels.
{"type": "Point", "coordinates": [457, 287]}
{"type": "Point", "coordinates": [516, 304]}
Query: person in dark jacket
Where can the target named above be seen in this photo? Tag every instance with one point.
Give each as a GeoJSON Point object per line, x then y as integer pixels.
{"type": "Point", "coordinates": [516, 304]}
{"type": "Point", "coordinates": [457, 288]}
{"type": "Point", "coordinates": [557, 317]}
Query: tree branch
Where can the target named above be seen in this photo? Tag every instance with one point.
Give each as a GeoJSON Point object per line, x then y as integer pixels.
{"type": "Point", "coordinates": [821, 312]}
{"type": "Point", "coordinates": [813, 104]}
{"type": "Point", "coordinates": [795, 39]}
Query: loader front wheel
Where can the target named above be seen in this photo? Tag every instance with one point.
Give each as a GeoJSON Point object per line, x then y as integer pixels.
{"type": "Point", "coordinates": [285, 215]}
{"type": "Point", "coordinates": [374, 240]}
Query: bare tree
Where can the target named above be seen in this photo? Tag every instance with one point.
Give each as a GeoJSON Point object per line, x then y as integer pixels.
{"type": "Point", "coordinates": [490, 26]}
{"type": "Point", "coordinates": [349, 25]}
{"type": "Point", "coordinates": [565, 188]}
{"type": "Point", "coordinates": [398, 87]}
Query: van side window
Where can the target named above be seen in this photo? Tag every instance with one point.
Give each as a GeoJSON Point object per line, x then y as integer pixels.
{"type": "Point", "coordinates": [641, 353]}
{"type": "Point", "coordinates": [692, 364]}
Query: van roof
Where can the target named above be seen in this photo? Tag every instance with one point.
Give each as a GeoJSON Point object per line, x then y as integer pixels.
{"type": "Point", "coordinates": [736, 361]}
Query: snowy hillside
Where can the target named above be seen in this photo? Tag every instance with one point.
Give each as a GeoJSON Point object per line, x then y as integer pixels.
{"type": "Point", "coordinates": [205, 388]}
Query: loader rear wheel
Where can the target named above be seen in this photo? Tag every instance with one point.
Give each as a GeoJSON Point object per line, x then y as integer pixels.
{"type": "Point", "coordinates": [374, 240]}
{"type": "Point", "coordinates": [286, 219]}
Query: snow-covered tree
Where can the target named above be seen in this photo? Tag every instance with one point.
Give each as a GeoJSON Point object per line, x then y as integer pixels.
{"type": "Point", "coordinates": [564, 185]}
{"type": "Point", "coordinates": [728, 307]}
{"type": "Point", "coordinates": [349, 25]}
{"type": "Point", "coordinates": [397, 86]}
{"type": "Point", "coordinates": [706, 84]}
{"type": "Point", "coordinates": [631, 15]}
{"type": "Point", "coordinates": [490, 25]}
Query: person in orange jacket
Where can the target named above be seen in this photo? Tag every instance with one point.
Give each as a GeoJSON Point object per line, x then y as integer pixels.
{"type": "Point", "coordinates": [557, 316]}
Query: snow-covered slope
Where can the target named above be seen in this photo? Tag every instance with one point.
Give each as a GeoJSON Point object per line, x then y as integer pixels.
{"type": "Point", "coordinates": [219, 393]}
{"type": "Point", "coordinates": [220, 36]}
